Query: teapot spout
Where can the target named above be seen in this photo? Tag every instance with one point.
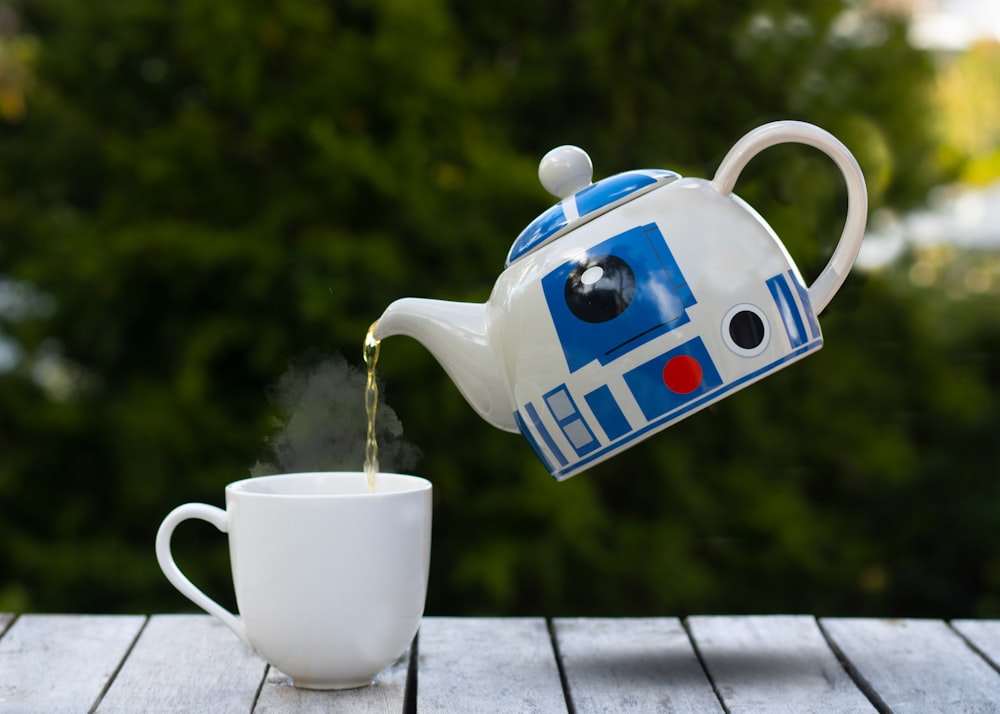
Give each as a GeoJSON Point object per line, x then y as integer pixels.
{"type": "Point", "coordinates": [455, 334]}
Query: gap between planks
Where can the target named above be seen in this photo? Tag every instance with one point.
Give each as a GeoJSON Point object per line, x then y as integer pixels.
{"type": "Point", "coordinates": [118, 669]}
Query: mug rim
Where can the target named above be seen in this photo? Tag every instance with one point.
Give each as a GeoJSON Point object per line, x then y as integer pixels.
{"type": "Point", "coordinates": [239, 487]}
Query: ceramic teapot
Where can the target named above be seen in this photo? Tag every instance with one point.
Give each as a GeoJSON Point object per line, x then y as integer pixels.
{"type": "Point", "coordinates": [633, 303]}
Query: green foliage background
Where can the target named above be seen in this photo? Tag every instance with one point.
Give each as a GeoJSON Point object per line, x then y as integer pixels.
{"type": "Point", "coordinates": [195, 194]}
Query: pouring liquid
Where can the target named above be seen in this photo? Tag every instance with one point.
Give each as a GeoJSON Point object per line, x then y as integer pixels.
{"type": "Point", "coordinates": [371, 404]}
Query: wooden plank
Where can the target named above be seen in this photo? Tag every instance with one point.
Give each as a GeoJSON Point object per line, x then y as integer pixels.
{"type": "Point", "coordinates": [984, 636]}
{"type": "Point", "coordinates": [186, 663]}
{"type": "Point", "coordinates": [386, 695]}
{"type": "Point", "coordinates": [487, 664]}
{"type": "Point", "coordinates": [632, 665]}
{"type": "Point", "coordinates": [775, 663]}
{"type": "Point", "coordinates": [62, 663]}
{"type": "Point", "coordinates": [915, 665]}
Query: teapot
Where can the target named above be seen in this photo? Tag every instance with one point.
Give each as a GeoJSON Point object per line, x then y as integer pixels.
{"type": "Point", "coordinates": [633, 303]}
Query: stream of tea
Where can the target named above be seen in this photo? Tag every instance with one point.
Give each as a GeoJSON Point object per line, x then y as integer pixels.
{"type": "Point", "coordinates": [371, 404]}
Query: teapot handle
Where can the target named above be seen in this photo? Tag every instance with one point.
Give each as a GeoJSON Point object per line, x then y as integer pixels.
{"type": "Point", "coordinates": [829, 281]}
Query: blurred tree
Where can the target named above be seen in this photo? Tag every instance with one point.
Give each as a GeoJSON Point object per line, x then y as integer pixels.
{"type": "Point", "coordinates": [967, 94]}
{"type": "Point", "coordinates": [195, 194]}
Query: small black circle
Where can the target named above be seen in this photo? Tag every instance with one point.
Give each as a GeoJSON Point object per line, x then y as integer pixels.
{"type": "Point", "coordinates": [747, 329]}
{"type": "Point", "coordinates": [600, 288]}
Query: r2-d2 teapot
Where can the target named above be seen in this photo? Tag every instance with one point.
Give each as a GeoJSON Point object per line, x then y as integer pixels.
{"type": "Point", "coordinates": [633, 303]}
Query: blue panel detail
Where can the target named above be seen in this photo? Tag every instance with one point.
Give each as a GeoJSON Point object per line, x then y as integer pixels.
{"type": "Point", "coordinates": [609, 190]}
{"type": "Point", "coordinates": [676, 278]}
{"type": "Point", "coordinates": [652, 394]}
{"type": "Point", "coordinates": [561, 404]}
{"type": "Point", "coordinates": [806, 304]}
{"type": "Point", "coordinates": [609, 415]}
{"type": "Point", "coordinates": [571, 421]}
{"type": "Point", "coordinates": [536, 421]}
{"type": "Point", "coordinates": [689, 408]}
{"type": "Point", "coordinates": [659, 303]}
{"type": "Point", "coordinates": [789, 310]}
{"type": "Point", "coordinates": [537, 232]}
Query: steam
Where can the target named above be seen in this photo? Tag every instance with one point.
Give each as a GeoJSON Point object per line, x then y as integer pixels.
{"type": "Point", "coordinates": [321, 423]}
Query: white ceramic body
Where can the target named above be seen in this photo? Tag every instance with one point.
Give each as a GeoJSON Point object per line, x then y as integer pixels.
{"type": "Point", "coordinates": [583, 386]}
{"type": "Point", "coordinates": [579, 400]}
{"type": "Point", "coordinates": [330, 580]}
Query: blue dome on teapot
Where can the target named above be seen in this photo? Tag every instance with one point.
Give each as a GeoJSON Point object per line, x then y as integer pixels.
{"type": "Point", "coordinates": [566, 172]}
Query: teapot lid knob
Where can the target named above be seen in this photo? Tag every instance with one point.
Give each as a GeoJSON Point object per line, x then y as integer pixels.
{"type": "Point", "coordinates": [565, 170]}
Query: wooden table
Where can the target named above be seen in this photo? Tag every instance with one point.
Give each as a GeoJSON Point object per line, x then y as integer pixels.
{"type": "Point", "coordinates": [190, 663]}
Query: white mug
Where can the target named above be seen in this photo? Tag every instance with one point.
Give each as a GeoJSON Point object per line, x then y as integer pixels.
{"type": "Point", "coordinates": [330, 579]}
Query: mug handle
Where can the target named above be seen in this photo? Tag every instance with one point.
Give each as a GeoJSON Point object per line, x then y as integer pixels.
{"type": "Point", "coordinates": [829, 281]}
{"type": "Point", "coordinates": [218, 518]}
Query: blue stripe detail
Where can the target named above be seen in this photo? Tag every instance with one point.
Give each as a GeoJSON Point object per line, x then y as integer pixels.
{"type": "Point", "coordinates": [609, 415]}
{"type": "Point", "coordinates": [536, 421]}
{"type": "Point", "coordinates": [790, 314]}
{"type": "Point", "coordinates": [806, 305]}
{"type": "Point", "coordinates": [679, 414]}
{"type": "Point", "coordinates": [526, 433]}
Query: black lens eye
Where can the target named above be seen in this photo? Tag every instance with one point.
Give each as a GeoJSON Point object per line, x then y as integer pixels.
{"type": "Point", "coordinates": [600, 288]}
{"type": "Point", "coordinates": [746, 328]}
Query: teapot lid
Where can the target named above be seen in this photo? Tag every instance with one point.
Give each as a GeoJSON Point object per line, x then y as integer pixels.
{"type": "Point", "coordinates": [566, 172]}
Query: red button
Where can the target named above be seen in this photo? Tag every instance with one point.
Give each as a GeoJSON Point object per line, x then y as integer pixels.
{"type": "Point", "coordinates": [682, 374]}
